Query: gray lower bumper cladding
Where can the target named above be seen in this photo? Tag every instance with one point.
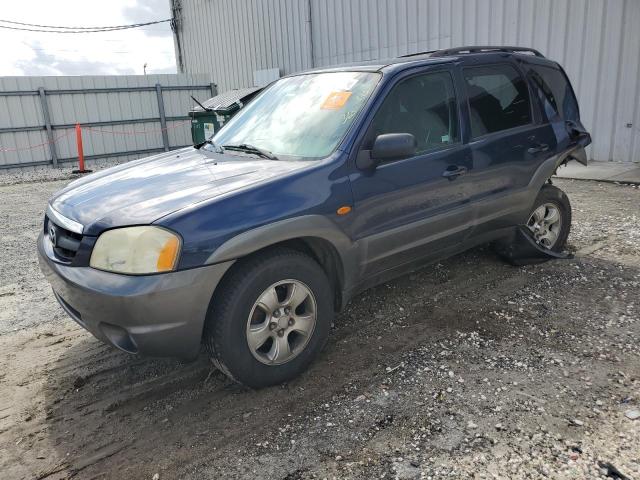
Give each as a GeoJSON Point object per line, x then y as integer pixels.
{"type": "Point", "coordinates": [154, 315]}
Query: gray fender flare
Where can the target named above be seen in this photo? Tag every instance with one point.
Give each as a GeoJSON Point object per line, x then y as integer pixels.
{"type": "Point", "coordinates": [310, 226]}
{"type": "Point", "coordinates": [551, 165]}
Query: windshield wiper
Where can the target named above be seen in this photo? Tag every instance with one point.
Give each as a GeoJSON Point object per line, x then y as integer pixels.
{"type": "Point", "coordinates": [245, 147]}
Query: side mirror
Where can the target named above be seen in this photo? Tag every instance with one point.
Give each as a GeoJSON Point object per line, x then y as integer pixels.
{"type": "Point", "coordinates": [389, 146]}
{"type": "Point", "coordinates": [394, 145]}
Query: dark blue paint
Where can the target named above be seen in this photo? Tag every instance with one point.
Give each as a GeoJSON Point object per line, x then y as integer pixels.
{"type": "Point", "coordinates": [210, 198]}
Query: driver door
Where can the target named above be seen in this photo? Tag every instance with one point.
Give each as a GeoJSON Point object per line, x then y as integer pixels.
{"type": "Point", "coordinates": [414, 208]}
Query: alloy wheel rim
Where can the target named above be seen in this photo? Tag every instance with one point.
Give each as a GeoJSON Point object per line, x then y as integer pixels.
{"type": "Point", "coordinates": [545, 223]}
{"type": "Point", "coordinates": [281, 322]}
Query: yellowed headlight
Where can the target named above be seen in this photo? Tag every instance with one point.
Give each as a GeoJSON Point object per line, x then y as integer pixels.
{"type": "Point", "coordinates": [136, 250]}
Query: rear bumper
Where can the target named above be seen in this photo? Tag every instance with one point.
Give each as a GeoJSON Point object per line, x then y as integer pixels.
{"type": "Point", "coordinates": [157, 315]}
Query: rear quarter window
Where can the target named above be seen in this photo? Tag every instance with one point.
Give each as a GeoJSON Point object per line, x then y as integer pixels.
{"type": "Point", "coordinates": [554, 92]}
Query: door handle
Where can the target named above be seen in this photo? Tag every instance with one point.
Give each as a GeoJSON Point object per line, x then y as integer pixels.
{"type": "Point", "coordinates": [541, 147]}
{"type": "Point", "coordinates": [454, 172]}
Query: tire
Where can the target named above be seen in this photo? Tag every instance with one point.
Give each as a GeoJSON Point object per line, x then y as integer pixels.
{"type": "Point", "coordinates": [228, 326]}
{"type": "Point", "coordinates": [553, 197]}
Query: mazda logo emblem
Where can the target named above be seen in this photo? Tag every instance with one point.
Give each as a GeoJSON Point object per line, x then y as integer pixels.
{"type": "Point", "coordinates": [52, 236]}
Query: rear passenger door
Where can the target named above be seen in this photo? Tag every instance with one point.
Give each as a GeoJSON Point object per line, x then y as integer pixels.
{"type": "Point", "coordinates": [507, 142]}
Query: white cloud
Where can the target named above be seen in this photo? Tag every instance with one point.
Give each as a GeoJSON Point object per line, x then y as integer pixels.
{"type": "Point", "coordinates": [121, 52]}
{"type": "Point", "coordinates": [144, 10]}
{"type": "Point", "coordinates": [44, 63]}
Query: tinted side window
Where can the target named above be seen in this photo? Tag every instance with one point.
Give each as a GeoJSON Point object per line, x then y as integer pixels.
{"type": "Point", "coordinates": [498, 99]}
{"type": "Point", "coordinates": [424, 106]}
{"type": "Point", "coordinates": [554, 92]}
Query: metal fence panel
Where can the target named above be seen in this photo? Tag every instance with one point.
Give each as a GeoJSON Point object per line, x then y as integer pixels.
{"type": "Point", "coordinates": [120, 115]}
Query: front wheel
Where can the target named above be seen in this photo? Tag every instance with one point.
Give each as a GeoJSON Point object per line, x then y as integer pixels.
{"type": "Point", "coordinates": [550, 219]}
{"type": "Point", "coordinates": [269, 318]}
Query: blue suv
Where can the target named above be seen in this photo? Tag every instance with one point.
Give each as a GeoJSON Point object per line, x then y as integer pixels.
{"type": "Point", "coordinates": [327, 183]}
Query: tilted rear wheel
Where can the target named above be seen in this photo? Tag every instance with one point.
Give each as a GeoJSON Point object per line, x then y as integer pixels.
{"type": "Point", "coordinates": [550, 219]}
{"type": "Point", "coordinates": [269, 318]}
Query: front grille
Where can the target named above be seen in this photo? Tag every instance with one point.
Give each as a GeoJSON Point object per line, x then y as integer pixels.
{"type": "Point", "coordinates": [65, 243]}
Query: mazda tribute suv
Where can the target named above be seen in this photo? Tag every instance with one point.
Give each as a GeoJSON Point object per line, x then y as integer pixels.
{"type": "Point", "coordinates": [327, 183]}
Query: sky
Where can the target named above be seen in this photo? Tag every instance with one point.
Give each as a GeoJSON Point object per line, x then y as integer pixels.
{"type": "Point", "coordinates": [109, 53]}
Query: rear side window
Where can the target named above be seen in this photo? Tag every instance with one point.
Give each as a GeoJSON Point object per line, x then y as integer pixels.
{"type": "Point", "coordinates": [554, 92]}
{"type": "Point", "coordinates": [424, 106]}
{"type": "Point", "coordinates": [498, 99]}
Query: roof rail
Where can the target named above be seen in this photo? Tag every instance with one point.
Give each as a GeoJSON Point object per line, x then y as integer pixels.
{"type": "Point", "coordinates": [485, 49]}
{"type": "Point", "coordinates": [417, 54]}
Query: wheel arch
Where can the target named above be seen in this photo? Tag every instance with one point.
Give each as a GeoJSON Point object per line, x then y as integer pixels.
{"type": "Point", "coordinates": [314, 235]}
{"type": "Point", "coordinates": [543, 176]}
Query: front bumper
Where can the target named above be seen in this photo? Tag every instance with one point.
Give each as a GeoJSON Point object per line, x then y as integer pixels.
{"type": "Point", "coordinates": [157, 315]}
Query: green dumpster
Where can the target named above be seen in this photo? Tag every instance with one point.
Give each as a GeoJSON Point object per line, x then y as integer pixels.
{"type": "Point", "coordinates": [208, 117]}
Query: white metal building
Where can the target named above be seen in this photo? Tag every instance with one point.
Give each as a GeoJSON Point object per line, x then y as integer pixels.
{"type": "Point", "coordinates": [597, 41]}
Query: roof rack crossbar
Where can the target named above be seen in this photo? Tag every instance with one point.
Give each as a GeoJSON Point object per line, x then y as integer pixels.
{"type": "Point", "coordinates": [485, 49]}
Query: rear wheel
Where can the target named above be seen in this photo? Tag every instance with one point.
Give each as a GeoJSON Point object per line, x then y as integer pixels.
{"type": "Point", "coordinates": [550, 219]}
{"type": "Point", "coordinates": [269, 318]}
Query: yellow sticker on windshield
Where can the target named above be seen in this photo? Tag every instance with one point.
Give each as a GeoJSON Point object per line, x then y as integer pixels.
{"type": "Point", "coordinates": [336, 100]}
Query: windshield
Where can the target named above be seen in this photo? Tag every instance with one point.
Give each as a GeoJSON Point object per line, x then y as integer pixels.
{"type": "Point", "coordinates": [302, 117]}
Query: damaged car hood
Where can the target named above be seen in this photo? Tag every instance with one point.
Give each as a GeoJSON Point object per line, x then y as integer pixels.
{"type": "Point", "coordinates": [142, 191]}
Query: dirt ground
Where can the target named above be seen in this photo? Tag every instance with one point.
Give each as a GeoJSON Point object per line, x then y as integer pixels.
{"type": "Point", "coordinates": [470, 368]}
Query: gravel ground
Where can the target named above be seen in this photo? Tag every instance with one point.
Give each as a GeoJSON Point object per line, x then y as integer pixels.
{"type": "Point", "coordinates": [64, 172]}
{"type": "Point", "coordinates": [467, 369]}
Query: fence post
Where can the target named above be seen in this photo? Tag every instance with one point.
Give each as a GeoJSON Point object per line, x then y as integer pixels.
{"type": "Point", "coordinates": [47, 124]}
{"type": "Point", "coordinates": [163, 118]}
{"type": "Point", "coordinates": [214, 89]}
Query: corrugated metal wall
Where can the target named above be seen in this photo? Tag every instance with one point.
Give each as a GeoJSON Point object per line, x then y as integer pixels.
{"type": "Point", "coordinates": [131, 111]}
{"type": "Point", "coordinates": [597, 41]}
{"type": "Point", "coordinates": [230, 39]}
